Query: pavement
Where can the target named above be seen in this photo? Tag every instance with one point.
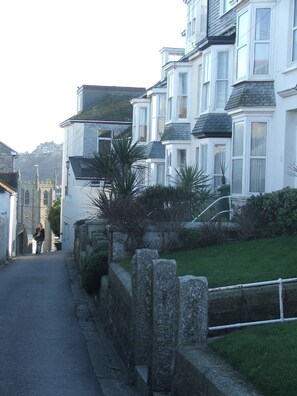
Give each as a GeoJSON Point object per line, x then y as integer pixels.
{"type": "Point", "coordinates": [109, 368]}
{"type": "Point", "coordinates": [52, 342]}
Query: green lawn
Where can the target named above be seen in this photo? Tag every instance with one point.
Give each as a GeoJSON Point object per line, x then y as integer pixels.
{"type": "Point", "coordinates": [240, 262]}
{"type": "Point", "coordinates": [266, 355]}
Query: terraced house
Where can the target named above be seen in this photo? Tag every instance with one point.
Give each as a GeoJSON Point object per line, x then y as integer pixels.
{"type": "Point", "coordinates": [227, 102]}
{"type": "Point", "coordinates": [103, 113]}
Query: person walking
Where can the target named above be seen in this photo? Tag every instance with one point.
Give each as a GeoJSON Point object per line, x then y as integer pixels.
{"type": "Point", "coordinates": [39, 237]}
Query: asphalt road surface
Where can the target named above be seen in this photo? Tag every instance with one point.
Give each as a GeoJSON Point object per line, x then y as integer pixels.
{"type": "Point", "coordinates": [47, 335]}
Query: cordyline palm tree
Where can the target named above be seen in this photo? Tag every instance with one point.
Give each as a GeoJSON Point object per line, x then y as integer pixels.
{"type": "Point", "coordinates": [195, 183]}
{"type": "Point", "coordinates": [119, 169]}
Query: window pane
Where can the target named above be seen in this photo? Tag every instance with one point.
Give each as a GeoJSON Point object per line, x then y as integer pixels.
{"type": "Point", "coordinates": [182, 83]}
{"type": "Point", "coordinates": [294, 55]}
{"type": "Point", "coordinates": [162, 104]}
{"type": "Point", "coordinates": [205, 96]}
{"type": "Point", "coordinates": [258, 139]}
{"type": "Point", "coordinates": [295, 13]}
{"type": "Point", "coordinates": [222, 72]}
{"type": "Point", "coordinates": [242, 29]}
{"type": "Point", "coordinates": [181, 158]}
{"type": "Point", "coordinates": [241, 62]}
{"type": "Point", "coordinates": [219, 158]}
{"type": "Point", "coordinates": [262, 31]}
{"type": "Point", "coordinates": [204, 157]}
{"type": "Point", "coordinates": [221, 94]}
{"type": "Point", "coordinates": [237, 176]}
{"type": "Point", "coordinates": [261, 61]}
{"type": "Point", "coordinates": [238, 139]}
{"type": "Point", "coordinates": [160, 174]}
{"type": "Point", "coordinates": [257, 175]}
{"type": "Point", "coordinates": [182, 107]}
{"type": "Point", "coordinates": [104, 146]}
{"type": "Point", "coordinates": [104, 133]}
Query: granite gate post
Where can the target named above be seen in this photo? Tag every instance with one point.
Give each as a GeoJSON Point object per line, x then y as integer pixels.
{"type": "Point", "coordinates": [161, 363]}
{"type": "Point", "coordinates": [192, 309]}
{"type": "Point", "coordinates": [142, 301]}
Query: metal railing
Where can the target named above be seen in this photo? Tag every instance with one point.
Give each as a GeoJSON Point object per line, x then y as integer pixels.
{"type": "Point", "coordinates": [211, 205]}
{"type": "Point", "coordinates": [281, 319]}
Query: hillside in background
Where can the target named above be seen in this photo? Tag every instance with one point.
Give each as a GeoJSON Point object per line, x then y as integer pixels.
{"type": "Point", "coordinates": [48, 157]}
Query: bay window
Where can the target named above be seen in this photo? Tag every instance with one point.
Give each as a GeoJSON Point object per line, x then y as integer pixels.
{"type": "Point", "coordinates": [294, 41]}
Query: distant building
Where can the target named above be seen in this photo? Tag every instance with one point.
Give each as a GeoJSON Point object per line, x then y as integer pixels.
{"type": "Point", "coordinates": [35, 200]}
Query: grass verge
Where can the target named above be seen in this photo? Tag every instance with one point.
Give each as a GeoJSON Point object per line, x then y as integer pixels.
{"type": "Point", "coordinates": [238, 262]}
{"type": "Point", "coordinates": [266, 355]}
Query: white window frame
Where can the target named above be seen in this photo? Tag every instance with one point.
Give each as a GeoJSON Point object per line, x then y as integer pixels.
{"type": "Point", "coordinates": [294, 33]}
{"type": "Point", "coordinates": [204, 157]}
{"type": "Point", "coordinates": [206, 82]}
{"type": "Point", "coordinates": [170, 96]}
{"type": "Point", "coordinates": [246, 156]}
{"type": "Point", "coordinates": [242, 43]}
{"type": "Point", "coordinates": [103, 138]}
{"type": "Point", "coordinates": [161, 115]}
{"type": "Point", "coordinates": [255, 42]}
{"type": "Point", "coordinates": [182, 98]}
{"type": "Point", "coordinates": [143, 124]}
{"type": "Point", "coordinates": [221, 79]}
{"type": "Point", "coordinates": [225, 6]}
{"type": "Point", "coordinates": [218, 172]}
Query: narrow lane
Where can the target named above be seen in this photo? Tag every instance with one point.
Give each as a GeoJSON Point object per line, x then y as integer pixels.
{"type": "Point", "coordinates": [42, 348]}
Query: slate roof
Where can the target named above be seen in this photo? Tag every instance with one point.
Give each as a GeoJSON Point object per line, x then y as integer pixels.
{"type": "Point", "coordinates": [252, 94]}
{"type": "Point", "coordinates": [177, 131]}
{"type": "Point", "coordinates": [111, 107]}
{"type": "Point", "coordinates": [154, 150]}
{"type": "Point", "coordinates": [213, 125]}
{"type": "Point", "coordinates": [10, 180]}
{"type": "Point", "coordinates": [82, 168]}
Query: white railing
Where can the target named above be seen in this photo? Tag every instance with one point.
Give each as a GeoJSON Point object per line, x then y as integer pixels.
{"type": "Point", "coordinates": [211, 205]}
{"type": "Point", "coordinates": [282, 319]}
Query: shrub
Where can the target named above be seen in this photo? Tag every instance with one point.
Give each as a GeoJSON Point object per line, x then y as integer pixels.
{"type": "Point", "coordinates": [268, 215]}
{"type": "Point", "coordinates": [95, 268]}
{"type": "Point", "coordinates": [210, 233]}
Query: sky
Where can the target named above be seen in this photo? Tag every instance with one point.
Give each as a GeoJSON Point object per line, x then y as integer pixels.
{"type": "Point", "coordinates": [49, 48]}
